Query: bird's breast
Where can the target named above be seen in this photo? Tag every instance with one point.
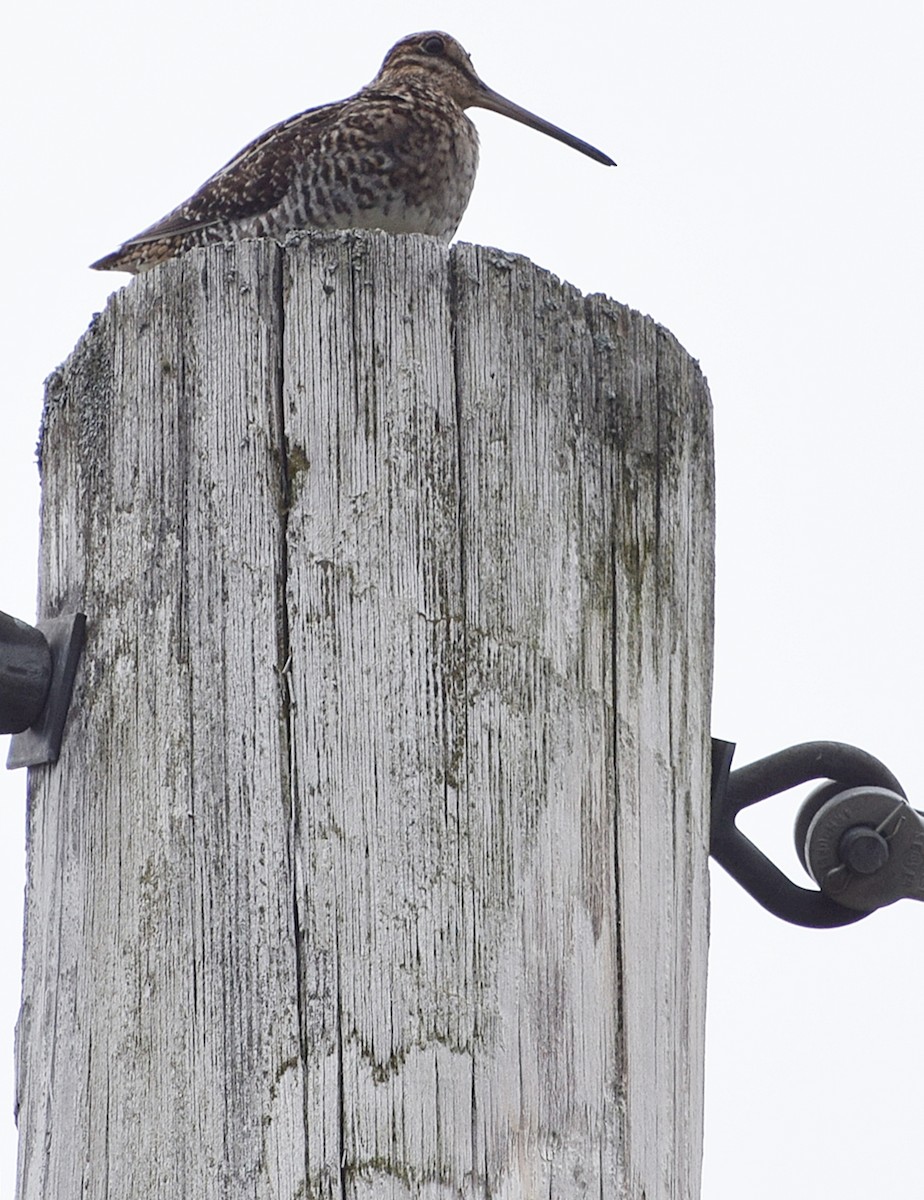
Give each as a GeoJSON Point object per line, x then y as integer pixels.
{"type": "Point", "coordinates": [405, 163]}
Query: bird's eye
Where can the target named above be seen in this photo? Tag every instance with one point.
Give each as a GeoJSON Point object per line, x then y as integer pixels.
{"type": "Point", "coordinates": [433, 45]}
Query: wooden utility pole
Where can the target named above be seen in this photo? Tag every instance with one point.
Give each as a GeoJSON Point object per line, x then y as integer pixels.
{"type": "Point", "coordinates": [374, 864]}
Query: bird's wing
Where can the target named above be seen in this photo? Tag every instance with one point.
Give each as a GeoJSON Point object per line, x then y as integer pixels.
{"type": "Point", "coordinates": [250, 183]}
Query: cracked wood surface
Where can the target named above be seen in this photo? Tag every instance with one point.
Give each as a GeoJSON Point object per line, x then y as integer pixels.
{"type": "Point", "coordinates": [374, 865]}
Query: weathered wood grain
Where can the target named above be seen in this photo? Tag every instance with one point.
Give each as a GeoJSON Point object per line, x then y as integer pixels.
{"type": "Point", "coordinates": [374, 863]}
{"type": "Point", "coordinates": [158, 1040]}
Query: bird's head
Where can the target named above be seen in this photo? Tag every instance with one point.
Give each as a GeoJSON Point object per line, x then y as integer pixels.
{"type": "Point", "coordinates": [438, 61]}
{"type": "Point", "coordinates": [434, 59]}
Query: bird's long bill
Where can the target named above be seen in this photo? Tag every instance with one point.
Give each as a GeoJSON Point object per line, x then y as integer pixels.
{"type": "Point", "coordinates": [488, 98]}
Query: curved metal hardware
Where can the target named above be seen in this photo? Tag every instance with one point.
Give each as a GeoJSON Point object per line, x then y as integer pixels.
{"type": "Point", "coordinates": [733, 791]}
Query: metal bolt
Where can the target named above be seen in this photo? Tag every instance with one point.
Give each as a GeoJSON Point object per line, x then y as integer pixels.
{"type": "Point", "coordinates": [863, 850]}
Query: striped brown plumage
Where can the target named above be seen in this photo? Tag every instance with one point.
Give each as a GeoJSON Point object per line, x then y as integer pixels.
{"type": "Point", "coordinates": [399, 155]}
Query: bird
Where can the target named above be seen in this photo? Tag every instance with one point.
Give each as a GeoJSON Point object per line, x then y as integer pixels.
{"type": "Point", "coordinates": [400, 155]}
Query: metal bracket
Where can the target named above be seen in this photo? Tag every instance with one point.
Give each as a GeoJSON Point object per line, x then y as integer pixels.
{"type": "Point", "coordinates": [37, 669]}
{"type": "Point", "coordinates": [857, 837]}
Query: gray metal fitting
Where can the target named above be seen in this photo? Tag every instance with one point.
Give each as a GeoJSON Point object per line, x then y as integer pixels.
{"type": "Point", "coordinates": [37, 668]}
{"type": "Point", "coordinates": [864, 848]}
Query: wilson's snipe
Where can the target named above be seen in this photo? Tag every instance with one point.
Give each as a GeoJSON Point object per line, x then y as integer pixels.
{"type": "Point", "coordinates": [400, 155]}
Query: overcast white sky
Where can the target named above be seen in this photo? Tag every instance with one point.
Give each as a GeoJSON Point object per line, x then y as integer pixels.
{"type": "Point", "coordinates": [767, 208]}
